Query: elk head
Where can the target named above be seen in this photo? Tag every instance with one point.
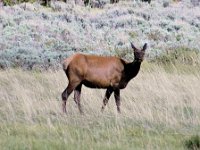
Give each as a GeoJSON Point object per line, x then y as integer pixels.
{"type": "Point", "coordinates": [139, 53]}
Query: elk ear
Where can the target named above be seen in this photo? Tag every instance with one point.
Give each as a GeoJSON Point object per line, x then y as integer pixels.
{"type": "Point", "coordinates": [144, 47]}
{"type": "Point", "coordinates": [133, 47]}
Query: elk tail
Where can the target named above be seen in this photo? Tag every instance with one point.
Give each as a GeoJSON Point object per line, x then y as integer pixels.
{"type": "Point", "coordinates": [66, 62]}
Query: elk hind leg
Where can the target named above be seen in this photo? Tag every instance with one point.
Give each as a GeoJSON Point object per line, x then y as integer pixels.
{"type": "Point", "coordinates": [77, 95]}
{"type": "Point", "coordinates": [65, 94]}
{"type": "Point", "coordinates": [117, 99]}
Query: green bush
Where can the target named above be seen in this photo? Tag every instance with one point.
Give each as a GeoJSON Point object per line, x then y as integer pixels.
{"type": "Point", "coordinates": [12, 2]}
{"type": "Point", "coordinates": [193, 143]}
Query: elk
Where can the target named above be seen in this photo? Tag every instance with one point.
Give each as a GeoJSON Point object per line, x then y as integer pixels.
{"type": "Point", "coordinates": [110, 73]}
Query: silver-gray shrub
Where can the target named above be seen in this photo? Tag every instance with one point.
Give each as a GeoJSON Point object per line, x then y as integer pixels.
{"type": "Point", "coordinates": [47, 34]}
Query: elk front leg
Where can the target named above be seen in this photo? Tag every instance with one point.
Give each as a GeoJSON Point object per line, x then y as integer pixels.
{"type": "Point", "coordinates": [109, 91]}
{"type": "Point", "coordinates": [117, 99]}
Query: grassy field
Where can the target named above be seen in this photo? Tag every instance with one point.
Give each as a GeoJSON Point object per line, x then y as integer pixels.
{"type": "Point", "coordinates": [160, 110]}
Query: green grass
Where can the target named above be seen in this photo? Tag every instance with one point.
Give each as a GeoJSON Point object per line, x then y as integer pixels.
{"type": "Point", "coordinates": [109, 135]}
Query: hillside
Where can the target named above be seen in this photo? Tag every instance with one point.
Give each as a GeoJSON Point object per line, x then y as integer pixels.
{"type": "Point", "coordinates": [33, 36]}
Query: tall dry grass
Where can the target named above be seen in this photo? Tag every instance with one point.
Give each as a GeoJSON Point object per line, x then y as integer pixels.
{"type": "Point", "coordinates": [156, 108]}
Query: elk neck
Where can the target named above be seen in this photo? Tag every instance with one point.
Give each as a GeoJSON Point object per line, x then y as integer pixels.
{"type": "Point", "coordinates": [132, 69]}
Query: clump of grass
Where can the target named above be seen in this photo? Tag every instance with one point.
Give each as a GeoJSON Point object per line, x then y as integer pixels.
{"type": "Point", "coordinates": [181, 55]}
{"type": "Point", "coordinates": [183, 59]}
{"type": "Point", "coordinates": [193, 143]}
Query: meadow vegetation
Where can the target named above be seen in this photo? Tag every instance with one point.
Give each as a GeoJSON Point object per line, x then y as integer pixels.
{"type": "Point", "coordinates": [160, 110]}
{"type": "Point", "coordinates": [160, 107]}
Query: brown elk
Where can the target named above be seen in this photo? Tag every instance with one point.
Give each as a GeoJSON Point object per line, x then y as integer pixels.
{"type": "Point", "coordinates": [111, 73]}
